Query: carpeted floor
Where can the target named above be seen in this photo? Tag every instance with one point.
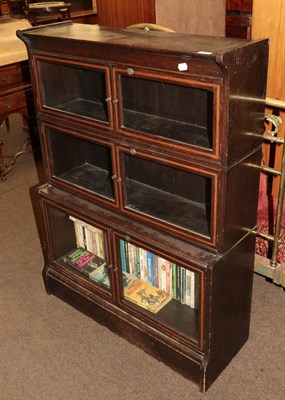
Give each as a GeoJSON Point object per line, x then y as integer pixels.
{"type": "Point", "coordinates": [49, 351]}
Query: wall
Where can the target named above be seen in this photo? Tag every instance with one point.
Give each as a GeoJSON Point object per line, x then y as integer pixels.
{"type": "Point", "coordinates": [204, 17]}
{"type": "Point", "coordinates": [268, 17]}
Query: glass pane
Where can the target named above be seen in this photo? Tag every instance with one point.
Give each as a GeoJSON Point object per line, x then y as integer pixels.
{"type": "Point", "coordinates": [161, 288]}
{"type": "Point", "coordinates": [79, 91]}
{"type": "Point", "coordinates": [82, 163]}
{"type": "Point", "coordinates": [79, 247]}
{"type": "Point", "coordinates": [180, 113]}
{"type": "Point", "coordinates": [166, 193]}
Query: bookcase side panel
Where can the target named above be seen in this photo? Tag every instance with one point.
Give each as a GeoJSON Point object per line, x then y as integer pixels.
{"type": "Point", "coordinates": [247, 91]}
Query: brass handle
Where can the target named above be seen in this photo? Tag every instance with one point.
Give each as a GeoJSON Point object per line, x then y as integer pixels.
{"type": "Point", "coordinates": [133, 151]}
{"type": "Point", "coordinates": [130, 71]}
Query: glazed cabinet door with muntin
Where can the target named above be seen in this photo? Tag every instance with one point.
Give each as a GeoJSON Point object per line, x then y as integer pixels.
{"type": "Point", "coordinates": [76, 90]}
{"type": "Point", "coordinates": [173, 196]}
{"type": "Point", "coordinates": [178, 112]}
{"type": "Point", "coordinates": [80, 163]}
{"type": "Point", "coordinates": [165, 292]}
{"type": "Point", "coordinates": [79, 249]}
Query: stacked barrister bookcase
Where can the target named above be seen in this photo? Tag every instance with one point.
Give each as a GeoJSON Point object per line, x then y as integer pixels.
{"type": "Point", "coordinates": [151, 144]}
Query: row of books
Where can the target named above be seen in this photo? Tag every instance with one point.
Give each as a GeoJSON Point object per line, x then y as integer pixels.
{"type": "Point", "coordinates": [177, 282]}
{"type": "Point", "coordinates": [89, 256]}
{"type": "Point", "coordinates": [89, 237]}
{"type": "Point", "coordinates": [148, 279]}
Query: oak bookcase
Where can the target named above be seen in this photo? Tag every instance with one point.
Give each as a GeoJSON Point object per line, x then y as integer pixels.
{"type": "Point", "coordinates": [151, 144]}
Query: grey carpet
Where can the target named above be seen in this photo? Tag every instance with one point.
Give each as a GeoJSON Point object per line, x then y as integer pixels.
{"type": "Point", "coordinates": [49, 351]}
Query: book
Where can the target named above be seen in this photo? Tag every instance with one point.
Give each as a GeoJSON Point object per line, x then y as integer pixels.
{"type": "Point", "coordinates": [143, 264]}
{"type": "Point", "coordinates": [150, 267]}
{"type": "Point", "coordinates": [128, 279]}
{"type": "Point", "coordinates": [123, 256]}
{"type": "Point", "coordinates": [147, 296]}
{"type": "Point", "coordinates": [195, 290]}
{"type": "Point", "coordinates": [183, 285]}
{"type": "Point", "coordinates": [174, 268]}
{"type": "Point", "coordinates": [188, 288]}
{"type": "Point", "coordinates": [161, 266]}
{"type": "Point", "coordinates": [84, 261]}
{"type": "Point", "coordinates": [101, 277]}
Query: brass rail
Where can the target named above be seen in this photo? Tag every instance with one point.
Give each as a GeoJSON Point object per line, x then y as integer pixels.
{"type": "Point", "coordinates": [273, 270]}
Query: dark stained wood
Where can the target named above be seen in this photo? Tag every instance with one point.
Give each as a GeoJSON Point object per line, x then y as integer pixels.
{"type": "Point", "coordinates": [239, 18]}
{"type": "Point", "coordinates": [244, 6]}
{"type": "Point", "coordinates": [136, 169]}
{"type": "Point", "coordinates": [122, 13]}
{"type": "Point", "coordinates": [16, 96]}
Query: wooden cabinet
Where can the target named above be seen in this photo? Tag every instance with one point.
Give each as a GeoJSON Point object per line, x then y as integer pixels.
{"type": "Point", "coordinates": [151, 144]}
{"type": "Point", "coordinates": [16, 94]}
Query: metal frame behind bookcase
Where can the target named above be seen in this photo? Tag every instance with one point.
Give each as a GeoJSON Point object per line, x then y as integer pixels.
{"type": "Point", "coordinates": [271, 268]}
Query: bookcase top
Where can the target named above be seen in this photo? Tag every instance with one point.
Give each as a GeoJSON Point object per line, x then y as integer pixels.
{"type": "Point", "coordinates": [208, 47]}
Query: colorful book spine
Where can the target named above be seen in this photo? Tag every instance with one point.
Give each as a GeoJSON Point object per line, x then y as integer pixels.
{"type": "Point", "coordinates": [123, 256]}
{"type": "Point", "coordinates": [89, 237]}
{"type": "Point", "coordinates": [176, 280]}
{"type": "Point", "coordinates": [143, 264]}
{"type": "Point", "coordinates": [174, 268]}
{"type": "Point", "coordinates": [150, 268]}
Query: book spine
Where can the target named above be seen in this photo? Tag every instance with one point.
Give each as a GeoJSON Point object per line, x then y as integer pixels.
{"type": "Point", "coordinates": [168, 277]}
{"type": "Point", "coordinates": [143, 265]}
{"type": "Point", "coordinates": [127, 257]}
{"type": "Point", "coordinates": [150, 267]}
{"type": "Point", "coordinates": [89, 241]}
{"type": "Point", "coordinates": [100, 244]}
{"type": "Point", "coordinates": [193, 290]}
{"type": "Point", "coordinates": [183, 285]}
{"type": "Point", "coordinates": [123, 256]}
{"type": "Point", "coordinates": [188, 287]}
{"type": "Point", "coordinates": [132, 259]}
{"type": "Point", "coordinates": [137, 261]}
{"type": "Point", "coordinates": [161, 265]}
{"type": "Point", "coordinates": [178, 283]}
{"type": "Point", "coordinates": [155, 271]}
{"type": "Point", "coordinates": [174, 268]}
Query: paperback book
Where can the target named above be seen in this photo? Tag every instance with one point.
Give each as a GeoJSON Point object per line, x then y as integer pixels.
{"type": "Point", "coordinates": [84, 261]}
{"type": "Point", "coordinates": [101, 277]}
{"type": "Point", "coordinates": [147, 296]}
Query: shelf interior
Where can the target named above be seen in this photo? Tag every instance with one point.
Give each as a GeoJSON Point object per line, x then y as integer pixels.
{"type": "Point", "coordinates": [91, 178]}
{"type": "Point", "coordinates": [85, 164]}
{"type": "Point", "coordinates": [168, 207]}
{"type": "Point", "coordinates": [86, 108]}
{"type": "Point", "coordinates": [167, 128]}
{"type": "Point", "coordinates": [178, 197]}
{"type": "Point", "coordinates": [82, 91]}
{"type": "Point", "coordinates": [167, 109]}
